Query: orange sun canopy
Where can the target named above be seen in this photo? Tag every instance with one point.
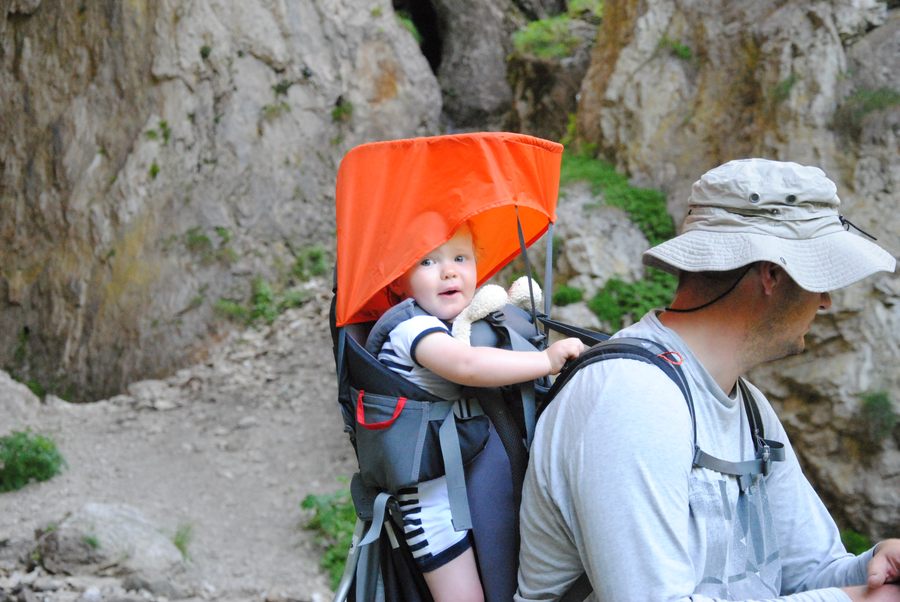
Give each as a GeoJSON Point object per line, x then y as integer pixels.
{"type": "Point", "coordinates": [398, 200]}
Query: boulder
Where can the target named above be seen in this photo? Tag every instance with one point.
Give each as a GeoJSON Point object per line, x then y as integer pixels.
{"type": "Point", "coordinates": [110, 539]}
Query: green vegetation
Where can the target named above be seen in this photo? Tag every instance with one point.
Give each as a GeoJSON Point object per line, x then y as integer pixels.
{"type": "Point", "coordinates": [647, 209]}
{"type": "Point", "coordinates": [92, 542]}
{"type": "Point", "coordinates": [282, 87]}
{"type": "Point", "coordinates": [311, 261]}
{"type": "Point", "coordinates": [548, 38]}
{"type": "Point", "coordinates": [645, 206]}
{"type": "Point", "coordinates": [676, 48]}
{"type": "Point", "coordinates": [849, 116]}
{"type": "Point", "coordinates": [196, 241]}
{"type": "Point", "coordinates": [162, 132]}
{"type": "Point", "coordinates": [375, 12]}
{"type": "Point", "coordinates": [618, 299]}
{"type": "Point", "coordinates": [205, 51]}
{"type": "Point", "coordinates": [224, 234]}
{"type": "Point", "coordinates": [552, 38]}
{"type": "Point", "coordinates": [856, 543]}
{"type": "Point", "coordinates": [199, 243]}
{"type": "Point", "coordinates": [26, 457]}
{"type": "Point", "coordinates": [333, 519]}
{"type": "Point", "coordinates": [877, 417]}
{"type": "Point", "coordinates": [342, 111]}
{"type": "Point", "coordinates": [405, 20]}
{"type": "Point", "coordinates": [588, 10]}
{"type": "Point", "coordinates": [182, 539]}
{"type": "Point", "coordinates": [782, 90]}
{"type": "Point", "coordinates": [154, 170]}
{"type": "Point", "coordinates": [566, 295]}
{"type": "Point", "coordinates": [264, 305]}
{"type": "Point", "coordinates": [274, 111]}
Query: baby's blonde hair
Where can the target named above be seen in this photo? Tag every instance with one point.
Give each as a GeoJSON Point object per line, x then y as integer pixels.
{"type": "Point", "coordinates": [395, 297]}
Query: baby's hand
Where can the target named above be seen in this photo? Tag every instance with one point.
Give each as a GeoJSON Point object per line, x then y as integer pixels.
{"type": "Point", "coordinates": [562, 351]}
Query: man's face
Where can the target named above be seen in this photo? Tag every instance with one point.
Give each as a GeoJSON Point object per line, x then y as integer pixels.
{"type": "Point", "coordinates": [789, 318]}
{"type": "Point", "coordinates": [443, 282]}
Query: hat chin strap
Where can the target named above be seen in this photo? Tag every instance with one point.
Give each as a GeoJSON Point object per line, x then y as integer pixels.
{"type": "Point", "coordinates": [719, 298]}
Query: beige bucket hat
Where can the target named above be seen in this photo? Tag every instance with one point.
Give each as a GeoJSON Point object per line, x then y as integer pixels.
{"type": "Point", "coordinates": [752, 210]}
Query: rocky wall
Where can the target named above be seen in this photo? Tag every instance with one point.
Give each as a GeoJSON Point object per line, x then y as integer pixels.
{"type": "Point", "coordinates": [158, 156]}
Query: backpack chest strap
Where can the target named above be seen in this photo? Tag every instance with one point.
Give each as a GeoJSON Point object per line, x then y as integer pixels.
{"type": "Point", "coordinates": [770, 451]}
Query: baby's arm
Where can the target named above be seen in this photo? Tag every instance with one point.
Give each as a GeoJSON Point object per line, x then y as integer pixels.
{"type": "Point", "coordinates": [489, 366]}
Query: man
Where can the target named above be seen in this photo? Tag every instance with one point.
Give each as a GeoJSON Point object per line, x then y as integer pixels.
{"type": "Point", "coordinates": [616, 487]}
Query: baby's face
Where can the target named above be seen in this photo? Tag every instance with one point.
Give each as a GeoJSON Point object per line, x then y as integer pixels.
{"type": "Point", "coordinates": [443, 282]}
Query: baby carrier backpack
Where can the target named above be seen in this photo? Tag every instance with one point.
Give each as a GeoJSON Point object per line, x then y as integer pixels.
{"type": "Point", "coordinates": [395, 202]}
{"type": "Point", "coordinates": [391, 210]}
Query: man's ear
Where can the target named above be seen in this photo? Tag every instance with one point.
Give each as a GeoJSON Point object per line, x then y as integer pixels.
{"type": "Point", "coordinates": [770, 276]}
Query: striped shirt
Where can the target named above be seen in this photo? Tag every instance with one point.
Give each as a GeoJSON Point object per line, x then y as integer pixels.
{"type": "Point", "coordinates": [399, 354]}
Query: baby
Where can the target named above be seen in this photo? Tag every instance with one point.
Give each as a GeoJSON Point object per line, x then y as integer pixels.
{"type": "Point", "coordinates": [423, 351]}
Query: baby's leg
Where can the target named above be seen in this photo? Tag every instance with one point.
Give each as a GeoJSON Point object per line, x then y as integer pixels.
{"type": "Point", "coordinates": [456, 581]}
{"type": "Point", "coordinates": [443, 554]}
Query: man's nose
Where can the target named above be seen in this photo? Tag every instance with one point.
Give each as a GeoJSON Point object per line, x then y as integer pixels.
{"type": "Point", "coordinates": [825, 301]}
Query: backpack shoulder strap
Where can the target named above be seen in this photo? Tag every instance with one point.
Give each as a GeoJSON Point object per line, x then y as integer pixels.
{"type": "Point", "coordinates": [634, 348]}
{"type": "Point", "coordinates": [401, 312]}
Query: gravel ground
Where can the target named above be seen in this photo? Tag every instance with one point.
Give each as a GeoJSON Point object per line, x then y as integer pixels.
{"type": "Point", "coordinates": [228, 447]}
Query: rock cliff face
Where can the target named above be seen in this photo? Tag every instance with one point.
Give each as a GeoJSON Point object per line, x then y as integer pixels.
{"type": "Point", "coordinates": [159, 156]}
{"type": "Point", "coordinates": [676, 87]}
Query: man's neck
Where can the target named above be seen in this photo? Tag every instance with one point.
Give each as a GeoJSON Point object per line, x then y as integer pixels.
{"type": "Point", "coordinates": [716, 340]}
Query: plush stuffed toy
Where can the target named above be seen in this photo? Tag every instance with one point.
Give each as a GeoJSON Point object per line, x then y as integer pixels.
{"type": "Point", "coordinates": [490, 298]}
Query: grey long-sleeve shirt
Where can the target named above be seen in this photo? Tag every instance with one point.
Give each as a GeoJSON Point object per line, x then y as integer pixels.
{"type": "Point", "coordinates": [610, 490]}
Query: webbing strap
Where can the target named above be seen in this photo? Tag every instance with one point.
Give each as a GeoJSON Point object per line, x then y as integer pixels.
{"type": "Point", "coordinates": [529, 409]}
{"type": "Point", "coordinates": [744, 471]}
{"type": "Point", "coordinates": [378, 512]}
{"type": "Point", "coordinates": [456, 477]}
{"type": "Point", "coordinates": [587, 336]}
{"type": "Point", "coordinates": [528, 271]}
{"type": "Point", "coordinates": [548, 270]}
{"type": "Point", "coordinates": [341, 343]}
{"type": "Point", "coordinates": [580, 589]}
{"type": "Point", "coordinates": [526, 390]}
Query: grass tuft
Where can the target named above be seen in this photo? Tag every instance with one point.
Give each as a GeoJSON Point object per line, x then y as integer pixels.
{"type": "Point", "coordinates": [27, 457]}
{"type": "Point", "coordinates": [333, 521]}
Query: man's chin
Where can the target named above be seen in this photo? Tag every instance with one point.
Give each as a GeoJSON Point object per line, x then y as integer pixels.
{"type": "Point", "coordinates": [793, 348]}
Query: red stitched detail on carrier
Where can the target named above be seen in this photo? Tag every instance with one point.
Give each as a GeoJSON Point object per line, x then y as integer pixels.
{"type": "Point", "coordinates": [376, 426]}
{"type": "Point", "coordinates": [673, 357]}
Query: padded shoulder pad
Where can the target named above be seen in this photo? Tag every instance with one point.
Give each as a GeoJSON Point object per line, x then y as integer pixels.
{"type": "Point", "coordinates": [485, 334]}
{"type": "Point", "coordinates": [401, 312]}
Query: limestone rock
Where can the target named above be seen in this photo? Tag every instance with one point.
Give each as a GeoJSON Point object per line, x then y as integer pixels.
{"type": "Point", "coordinates": [107, 536]}
{"type": "Point", "coordinates": [598, 242]}
{"type": "Point", "coordinates": [159, 156]}
{"type": "Point", "coordinates": [545, 90]}
{"type": "Point", "coordinates": [17, 402]}
{"type": "Point", "coordinates": [472, 73]}
{"type": "Point", "coordinates": [723, 79]}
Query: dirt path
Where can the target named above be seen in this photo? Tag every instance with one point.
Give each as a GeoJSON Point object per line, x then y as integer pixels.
{"type": "Point", "coordinates": [228, 447]}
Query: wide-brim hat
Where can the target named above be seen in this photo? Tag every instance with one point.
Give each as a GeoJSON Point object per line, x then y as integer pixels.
{"type": "Point", "coordinates": [752, 210]}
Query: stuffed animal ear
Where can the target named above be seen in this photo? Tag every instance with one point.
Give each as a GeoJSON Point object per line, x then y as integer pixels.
{"type": "Point", "coordinates": [487, 300]}
{"type": "Point", "coordinates": [518, 293]}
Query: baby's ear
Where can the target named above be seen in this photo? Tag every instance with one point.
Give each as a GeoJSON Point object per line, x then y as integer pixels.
{"type": "Point", "coordinates": [395, 292]}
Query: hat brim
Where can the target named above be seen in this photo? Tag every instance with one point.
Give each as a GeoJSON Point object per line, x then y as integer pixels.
{"type": "Point", "coordinates": [821, 264]}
